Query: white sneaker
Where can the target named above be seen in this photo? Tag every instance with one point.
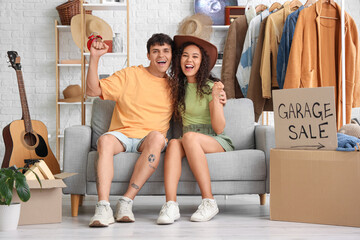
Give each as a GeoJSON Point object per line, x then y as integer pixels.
{"type": "Point", "coordinates": [206, 211]}
{"type": "Point", "coordinates": [124, 210]}
{"type": "Point", "coordinates": [169, 213]}
{"type": "Point", "coordinates": [103, 215]}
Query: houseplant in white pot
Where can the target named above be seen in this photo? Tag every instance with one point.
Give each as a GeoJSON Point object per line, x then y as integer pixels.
{"type": "Point", "coordinates": [11, 178]}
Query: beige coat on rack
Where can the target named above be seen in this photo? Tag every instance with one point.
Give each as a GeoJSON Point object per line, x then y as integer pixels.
{"type": "Point", "coordinates": [273, 32]}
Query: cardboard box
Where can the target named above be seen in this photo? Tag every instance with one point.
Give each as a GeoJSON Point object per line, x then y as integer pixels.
{"type": "Point", "coordinates": [315, 186]}
{"type": "Point", "coordinates": [45, 204]}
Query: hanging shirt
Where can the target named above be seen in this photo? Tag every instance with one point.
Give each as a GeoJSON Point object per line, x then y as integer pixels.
{"type": "Point", "coordinates": [285, 46]}
{"type": "Point", "coordinates": [273, 33]}
{"type": "Point", "coordinates": [255, 90]}
{"type": "Point", "coordinates": [244, 68]}
{"type": "Point", "coordinates": [250, 13]}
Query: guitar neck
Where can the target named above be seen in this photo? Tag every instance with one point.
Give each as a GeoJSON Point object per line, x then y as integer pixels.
{"type": "Point", "coordinates": [24, 103]}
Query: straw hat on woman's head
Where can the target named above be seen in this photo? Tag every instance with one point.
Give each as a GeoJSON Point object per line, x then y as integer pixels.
{"type": "Point", "coordinates": [197, 29]}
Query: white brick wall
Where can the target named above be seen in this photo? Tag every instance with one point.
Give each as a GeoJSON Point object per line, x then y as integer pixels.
{"type": "Point", "coordinates": [27, 26]}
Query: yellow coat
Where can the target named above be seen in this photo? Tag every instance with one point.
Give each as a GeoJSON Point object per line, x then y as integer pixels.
{"type": "Point", "coordinates": [273, 32]}
{"type": "Point", "coordinates": [315, 56]}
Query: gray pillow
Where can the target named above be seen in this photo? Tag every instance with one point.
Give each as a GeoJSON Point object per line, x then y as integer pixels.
{"type": "Point", "coordinates": [100, 120]}
{"type": "Point", "coordinates": [240, 125]}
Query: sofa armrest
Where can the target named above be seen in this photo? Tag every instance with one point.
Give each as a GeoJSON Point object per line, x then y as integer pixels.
{"type": "Point", "coordinates": [77, 141]}
{"type": "Point", "coordinates": [265, 140]}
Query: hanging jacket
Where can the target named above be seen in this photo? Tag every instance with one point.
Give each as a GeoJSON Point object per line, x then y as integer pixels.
{"type": "Point", "coordinates": [255, 90]}
{"type": "Point", "coordinates": [285, 46]}
{"type": "Point", "coordinates": [231, 58]}
{"type": "Point", "coordinates": [315, 56]}
{"type": "Point", "coordinates": [273, 32]}
{"type": "Point", "coordinates": [244, 68]}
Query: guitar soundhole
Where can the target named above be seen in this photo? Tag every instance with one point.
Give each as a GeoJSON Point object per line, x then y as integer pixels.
{"type": "Point", "coordinates": [30, 139]}
{"type": "Point", "coordinates": [41, 149]}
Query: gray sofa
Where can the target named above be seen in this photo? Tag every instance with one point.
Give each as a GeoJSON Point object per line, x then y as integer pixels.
{"type": "Point", "coordinates": [242, 171]}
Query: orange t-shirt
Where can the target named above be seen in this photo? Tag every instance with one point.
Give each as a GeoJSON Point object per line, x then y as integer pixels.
{"type": "Point", "coordinates": [143, 102]}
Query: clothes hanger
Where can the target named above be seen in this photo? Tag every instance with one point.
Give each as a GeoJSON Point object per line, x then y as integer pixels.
{"type": "Point", "coordinates": [295, 4]}
{"type": "Point", "coordinates": [309, 3]}
{"type": "Point", "coordinates": [332, 2]}
{"type": "Point", "coordinates": [261, 7]}
{"type": "Point", "coordinates": [275, 6]}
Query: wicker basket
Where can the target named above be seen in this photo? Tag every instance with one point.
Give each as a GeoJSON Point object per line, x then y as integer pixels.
{"type": "Point", "coordinates": [68, 10]}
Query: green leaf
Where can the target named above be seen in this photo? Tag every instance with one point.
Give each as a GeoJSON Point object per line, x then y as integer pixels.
{"type": "Point", "coordinates": [6, 186]}
{"type": "Point", "coordinates": [22, 188]}
{"type": "Point", "coordinates": [7, 172]}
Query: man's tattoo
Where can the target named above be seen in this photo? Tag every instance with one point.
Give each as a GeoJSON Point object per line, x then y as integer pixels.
{"type": "Point", "coordinates": [152, 167]}
{"type": "Point", "coordinates": [151, 158]}
{"type": "Point", "coordinates": [135, 186]}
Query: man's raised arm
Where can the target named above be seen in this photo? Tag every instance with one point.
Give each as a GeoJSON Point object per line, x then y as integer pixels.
{"type": "Point", "coordinates": [92, 79]}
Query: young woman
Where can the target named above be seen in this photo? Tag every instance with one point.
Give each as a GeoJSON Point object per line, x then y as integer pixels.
{"type": "Point", "coordinates": [199, 104]}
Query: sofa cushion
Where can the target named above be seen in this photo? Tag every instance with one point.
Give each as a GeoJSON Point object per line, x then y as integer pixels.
{"type": "Point", "coordinates": [239, 115]}
{"type": "Point", "coordinates": [240, 165]}
{"type": "Point", "coordinates": [240, 126]}
{"type": "Point", "coordinates": [100, 120]}
{"type": "Point", "coordinates": [102, 111]}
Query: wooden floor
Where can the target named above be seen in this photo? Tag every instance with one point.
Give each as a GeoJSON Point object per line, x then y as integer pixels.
{"type": "Point", "coordinates": [240, 217]}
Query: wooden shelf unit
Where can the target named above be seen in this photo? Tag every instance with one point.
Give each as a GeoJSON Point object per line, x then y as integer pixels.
{"type": "Point", "coordinates": [66, 28]}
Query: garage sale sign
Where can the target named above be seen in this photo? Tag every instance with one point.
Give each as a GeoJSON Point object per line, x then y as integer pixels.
{"type": "Point", "coordinates": [305, 118]}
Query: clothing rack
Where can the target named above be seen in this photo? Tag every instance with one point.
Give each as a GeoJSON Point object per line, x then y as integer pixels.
{"type": "Point", "coordinates": [343, 84]}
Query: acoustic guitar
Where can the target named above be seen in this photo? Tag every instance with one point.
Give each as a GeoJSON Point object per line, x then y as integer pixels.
{"type": "Point", "coordinates": [26, 139]}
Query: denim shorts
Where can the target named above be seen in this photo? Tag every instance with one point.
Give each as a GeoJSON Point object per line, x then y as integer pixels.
{"type": "Point", "coordinates": [130, 144]}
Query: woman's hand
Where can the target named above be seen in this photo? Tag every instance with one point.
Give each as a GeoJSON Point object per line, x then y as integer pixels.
{"type": "Point", "coordinates": [216, 107]}
{"type": "Point", "coordinates": [222, 98]}
{"type": "Point", "coordinates": [218, 93]}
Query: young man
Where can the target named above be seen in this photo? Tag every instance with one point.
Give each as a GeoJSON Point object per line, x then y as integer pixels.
{"type": "Point", "coordinates": [139, 123]}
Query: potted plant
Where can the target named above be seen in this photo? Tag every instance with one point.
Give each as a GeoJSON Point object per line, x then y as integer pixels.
{"type": "Point", "coordinates": [11, 178]}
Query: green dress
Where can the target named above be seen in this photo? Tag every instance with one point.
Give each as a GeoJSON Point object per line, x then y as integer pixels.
{"type": "Point", "coordinates": [197, 115]}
